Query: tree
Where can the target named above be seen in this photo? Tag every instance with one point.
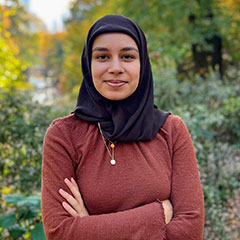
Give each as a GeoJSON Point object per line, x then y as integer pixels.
{"type": "Point", "coordinates": [52, 55]}
{"type": "Point", "coordinates": [11, 68]}
{"type": "Point", "coordinates": [22, 28]}
{"type": "Point", "coordinates": [184, 30]}
{"type": "Point", "coordinates": [82, 16]}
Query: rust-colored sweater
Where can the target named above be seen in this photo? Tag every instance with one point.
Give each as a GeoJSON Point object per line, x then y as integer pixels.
{"type": "Point", "coordinates": [123, 200]}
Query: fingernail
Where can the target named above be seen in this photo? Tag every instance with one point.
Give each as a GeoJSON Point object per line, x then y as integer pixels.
{"type": "Point", "coordinates": [66, 180]}
{"type": "Point", "coordinates": [72, 179]}
{"type": "Point", "coordinates": [60, 191]}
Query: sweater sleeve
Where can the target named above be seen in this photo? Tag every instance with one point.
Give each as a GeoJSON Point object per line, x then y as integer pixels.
{"type": "Point", "coordinates": [144, 222]}
{"type": "Point", "coordinates": [186, 192]}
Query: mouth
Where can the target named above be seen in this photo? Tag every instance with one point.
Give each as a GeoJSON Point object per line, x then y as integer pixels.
{"type": "Point", "coordinates": [115, 83]}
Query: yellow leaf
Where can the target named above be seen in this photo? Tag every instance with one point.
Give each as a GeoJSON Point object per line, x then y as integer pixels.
{"type": "Point", "coordinates": [6, 190]}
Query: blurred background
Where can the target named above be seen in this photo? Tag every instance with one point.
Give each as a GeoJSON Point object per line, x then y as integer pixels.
{"type": "Point", "coordinates": [194, 47]}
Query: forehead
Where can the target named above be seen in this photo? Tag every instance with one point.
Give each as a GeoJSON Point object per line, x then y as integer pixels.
{"type": "Point", "coordinates": [114, 40]}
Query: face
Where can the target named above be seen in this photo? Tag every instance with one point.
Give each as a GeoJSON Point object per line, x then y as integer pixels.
{"type": "Point", "coordinates": [115, 65]}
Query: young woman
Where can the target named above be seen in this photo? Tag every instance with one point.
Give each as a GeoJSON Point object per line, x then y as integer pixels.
{"type": "Point", "coordinates": [118, 167]}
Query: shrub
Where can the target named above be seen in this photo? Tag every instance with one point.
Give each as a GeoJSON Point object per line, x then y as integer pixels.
{"type": "Point", "coordinates": [210, 109]}
{"type": "Point", "coordinates": [23, 125]}
{"type": "Point", "coordinates": [22, 218]}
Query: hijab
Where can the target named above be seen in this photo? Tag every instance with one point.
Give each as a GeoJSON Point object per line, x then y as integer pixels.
{"type": "Point", "coordinates": [134, 118]}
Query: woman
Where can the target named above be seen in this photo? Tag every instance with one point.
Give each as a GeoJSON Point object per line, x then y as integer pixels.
{"type": "Point", "coordinates": [119, 168]}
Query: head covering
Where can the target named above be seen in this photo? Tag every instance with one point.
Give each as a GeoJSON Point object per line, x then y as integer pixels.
{"type": "Point", "coordinates": [134, 118]}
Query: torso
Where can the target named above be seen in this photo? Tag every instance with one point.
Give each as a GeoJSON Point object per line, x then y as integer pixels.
{"type": "Point", "coordinates": [142, 173]}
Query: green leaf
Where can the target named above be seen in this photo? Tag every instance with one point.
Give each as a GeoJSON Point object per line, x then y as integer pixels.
{"type": "Point", "coordinates": [34, 199]}
{"type": "Point", "coordinates": [27, 212]}
{"type": "Point", "coordinates": [14, 198]}
{"type": "Point", "coordinates": [30, 201]}
{"type": "Point", "coordinates": [32, 213]}
{"type": "Point", "coordinates": [16, 231]}
{"type": "Point", "coordinates": [7, 220]}
{"type": "Point", "coordinates": [38, 233]}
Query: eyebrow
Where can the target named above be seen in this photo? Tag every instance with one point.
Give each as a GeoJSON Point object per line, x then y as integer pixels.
{"type": "Point", "coordinates": [102, 49]}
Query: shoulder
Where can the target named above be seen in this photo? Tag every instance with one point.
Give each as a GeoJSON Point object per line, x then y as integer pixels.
{"type": "Point", "coordinates": [69, 120]}
{"type": "Point", "coordinates": [173, 123]}
{"type": "Point", "coordinates": [174, 130]}
{"type": "Point", "coordinates": [68, 125]}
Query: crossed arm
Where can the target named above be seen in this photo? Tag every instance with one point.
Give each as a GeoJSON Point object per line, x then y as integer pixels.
{"type": "Point", "coordinates": [74, 204]}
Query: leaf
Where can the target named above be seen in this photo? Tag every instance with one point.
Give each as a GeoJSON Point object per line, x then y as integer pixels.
{"type": "Point", "coordinates": [14, 198]}
{"type": "Point", "coordinates": [16, 231]}
{"type": "Point", "coordinates": [38, 233]}
{"type": "Point", "coordinates": [34, 200]}
{"type": "Point", "coordinates": [7, 220]}
{"type": "Point", "coordinates": [27, 212]}
{"type": "Point", "coordinates": [30, 201]}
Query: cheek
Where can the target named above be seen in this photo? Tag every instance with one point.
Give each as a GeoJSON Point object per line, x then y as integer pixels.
{"type": "Point", "coordinates": [137, 74]}
{"type": "Point", "coordinates": [97, 71]}
{"type": "Point", "coordinates": [95, 75]}
{"type": "Point", "coordinates": [93, 70]}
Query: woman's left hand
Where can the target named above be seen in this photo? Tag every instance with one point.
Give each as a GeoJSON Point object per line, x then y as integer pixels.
{"type": "Point", "coordinates": [74, 205]}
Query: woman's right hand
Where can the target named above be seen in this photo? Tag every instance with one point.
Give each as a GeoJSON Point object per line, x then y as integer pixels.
{"type": "Point", "coordinates": [74, 204]}
{"type": "Point", "coordinates": [168, 210]}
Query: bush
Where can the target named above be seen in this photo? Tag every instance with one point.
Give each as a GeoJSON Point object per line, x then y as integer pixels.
{"type": "Point", "coordinates": [23, 125]}
{"type": "Point", "coordinates": [22, 218]}
{"type": "Point", "coordinates": [210, 109]}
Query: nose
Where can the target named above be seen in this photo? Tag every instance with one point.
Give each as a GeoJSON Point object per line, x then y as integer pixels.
{"type": "Point", "coordinates": [116, 66]}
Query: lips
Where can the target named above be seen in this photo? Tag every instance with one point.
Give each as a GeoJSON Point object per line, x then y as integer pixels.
{"type": "Point", "coordinates": [115, 83]}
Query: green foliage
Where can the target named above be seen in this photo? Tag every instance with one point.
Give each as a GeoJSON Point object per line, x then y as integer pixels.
{"type": "Point", "coordinates": [7, 220]}
{"type": "Point", "coordinates": [37, 232]}
{"type": "Point", "coordinates": [10, 67]}
{"type": "Point", "coordinates": [22, 27]}
{"type": "Point", "coordinates": [231, 114]}
{"type": "Point", "coordinates": [23, 125]}
{"type": "Point", "coordinates": [24, 218]}
{"type": "Point", "coordinates": [210, 108]}
{"type": "Point", "coordinates": [173, 26]}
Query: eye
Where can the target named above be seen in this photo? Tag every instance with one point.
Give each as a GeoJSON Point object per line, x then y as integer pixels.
{"type": "Point", "coordinates": [102, 57]}
{"type": "Point", "coordinates": [128, 57]}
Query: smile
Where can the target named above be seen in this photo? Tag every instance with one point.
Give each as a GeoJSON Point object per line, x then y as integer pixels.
{"type": "Point", "coordinates": [115, 83]}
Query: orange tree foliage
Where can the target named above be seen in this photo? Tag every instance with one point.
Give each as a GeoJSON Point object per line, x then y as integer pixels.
{"type": "Point", "coordinates": [20, 30]}
{"type": "Point", "coordinates": [82, 16]}
{"type": "Point", "coordinates": [10, 66]}
{"type": "Point", "coordinates": [52, 55]}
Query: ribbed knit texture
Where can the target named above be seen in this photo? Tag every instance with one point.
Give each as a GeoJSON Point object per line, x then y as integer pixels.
{"type": "Point", "coordinates": [123, 200]}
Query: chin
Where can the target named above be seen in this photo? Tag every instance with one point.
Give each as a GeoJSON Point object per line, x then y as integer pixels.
{"type": "Point", "coordinates": [115, 97]}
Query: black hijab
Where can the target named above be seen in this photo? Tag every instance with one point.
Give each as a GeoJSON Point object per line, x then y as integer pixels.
{"type": "Point", "coordinates": [134, 118]}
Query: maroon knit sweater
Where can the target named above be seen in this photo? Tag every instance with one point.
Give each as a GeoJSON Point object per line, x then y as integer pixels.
{"type": "Point", "coordinates": [123, 200]}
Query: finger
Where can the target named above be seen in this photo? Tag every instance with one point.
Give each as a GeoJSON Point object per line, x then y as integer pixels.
{"type": "Point", "coordinates": [71, 200]}
{"type": "Point", "coordinates": [69, 209]}
{"type": "Point", "coordinates": [74, 182]}
{"type": "Point", "coordinates": [74, 189]}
